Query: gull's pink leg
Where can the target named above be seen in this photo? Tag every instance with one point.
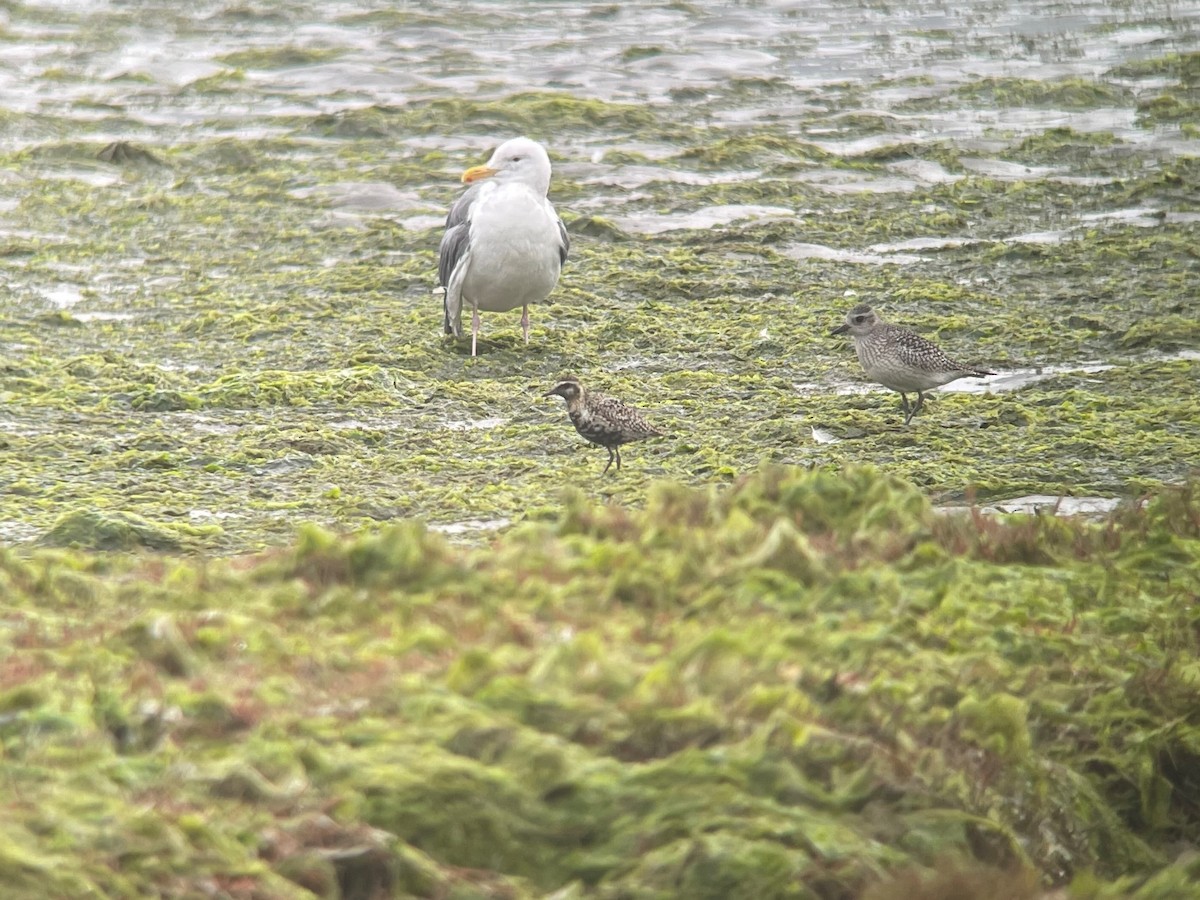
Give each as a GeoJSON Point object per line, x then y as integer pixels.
{"type": "Point", "coordinates": [525, 321]}
{"type": "Point", "coordinates": [474, 329]}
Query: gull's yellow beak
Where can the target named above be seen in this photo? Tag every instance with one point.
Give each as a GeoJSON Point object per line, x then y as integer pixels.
{"type": "Point", "coordinates": [477, 172]}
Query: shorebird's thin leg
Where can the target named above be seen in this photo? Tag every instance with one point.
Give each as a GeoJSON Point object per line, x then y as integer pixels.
{"type": "Point", "coordinates": [525, 321]}
{"type": "Point", "coordinates": [916, 407]}
{"type": "Point", "coordinates": [618, 450]}
{"type": "Point", "coordinates": [904, 406]}
{"type": "Point", "coordinates": [610, 459]}
{"type": "Point", "coordinates": [474, 328]}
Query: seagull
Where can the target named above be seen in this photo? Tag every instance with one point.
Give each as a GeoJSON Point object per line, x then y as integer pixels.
{"type": "Point", "coordinates": [900, 359]}
{"type": "Point", "coordinates": [504, 244]}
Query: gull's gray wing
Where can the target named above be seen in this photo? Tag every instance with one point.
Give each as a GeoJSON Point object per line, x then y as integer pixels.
{"type": "Point", "coordinates": [457, 238]}
{"type": "Point", "coordinates": [455, 250]}
{"type": "Point", "coordinates": [565, 247]}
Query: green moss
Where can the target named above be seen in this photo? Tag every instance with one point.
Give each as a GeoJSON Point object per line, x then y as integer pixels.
{"type": "Point", "coordinates": [535, 113]}
{"type": "Point", "coordinates": [801, 683]}
{"type": "Point", "coordinates": [1182, 66]}
{"type": "Point", "coordinates": [997, 724]}
{"type": "Point", "coordinates": [746, 149]}
{"type": "Point", "coordinates": [713, 867]}
{"type": "Point", "coordinates": [1056, 145]}
{"type": "Point", "coordinates": [277, 57]}
{"type": "Point", "coordinates": [1164, 333]}
{"type": "Point", "coordinates": [1167, 108]}
{"type": "Point", "coordinates": [1068, 93]}
{"type": "Point", "coordinates": [114, 530]}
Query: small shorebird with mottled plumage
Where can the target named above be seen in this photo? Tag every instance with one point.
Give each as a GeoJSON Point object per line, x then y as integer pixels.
{"type": "Point", "coordinates": [602, 420]}
{"type": "Point", "coordinates": [900, 359]}
{"type": "Point", "coordinates": [504, 244]}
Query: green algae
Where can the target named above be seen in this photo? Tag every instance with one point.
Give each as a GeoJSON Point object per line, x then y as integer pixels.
{"type": "Point", "coordinates": [1185, 67]}
{"type": "Point", "coordinates": [277, 57]}
{"type": "Point", "coordinates": [630, 701]}
{"type": "Point", "coordinates": [535, 112]}
{"type": "Point", "coordinates": [118, 530]}
{"type": "Point", "coordinates": [1067, 93]}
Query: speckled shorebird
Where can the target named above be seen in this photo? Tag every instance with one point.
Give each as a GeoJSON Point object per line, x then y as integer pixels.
{"type": "Point", "coordinates": [900, 359]}
{"type": "Point", "coordinates": [602, 420]}
{"type": "Point", "coordinates": [504, 244]}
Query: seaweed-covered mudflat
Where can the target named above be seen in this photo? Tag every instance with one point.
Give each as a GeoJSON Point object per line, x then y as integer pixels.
{"type": "Point", "coordinates": [299, 598]}
{"type": "Point", "coordinates": [219, 259]}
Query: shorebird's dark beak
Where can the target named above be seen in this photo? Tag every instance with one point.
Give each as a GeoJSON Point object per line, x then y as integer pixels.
{"type": "Point", "coordinates": [841, 329]}
{"type": "Point", "coordinates": [553, 392]}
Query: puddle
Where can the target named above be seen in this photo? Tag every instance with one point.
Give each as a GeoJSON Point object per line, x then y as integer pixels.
{"type": "Point", "coordinates": [99, 316]}
{"type": "Point", "coordinates": [923, 244]}
{"type": "Point", "coordinates": [708, 217]}
{"type": "Point", "coordinates": [1003, 382]}
{"type": "Point", "coordinates": [1007, 171]}
{"type": "Point", "coordinates": [351, 425]}
{"type": "Point", "coordinates": [820, 251]}
{"type": "Point", "coordinates": [206, 424]}
{"type": "Point", "coordinates": [925, 171]}
{"type": "Point", "coordinates": [475, 424]}
{"type": "Point", "coordinates": [1039, 237]}
{"type": "Point", "coordinates": [824, 436]}
{"type": "Point", "coordinates": [636, 362]}
{"type": "Point", "coordinates": [422, 223]}
{"type": "Point", "coordinates": [17, 532]}
{"type": "Point", "coordinates": [630, 177]}
{"type": "Point", "coordinates": [62, 295]}
{"type": "Point", "coordinates": [1044, 504]}
{"type": "Point", "coordinates": [170, 365]}
{"type": "Point", "coordinates": [93, 177]}
{"type": "Point", "coordinates": [1141, 217]}
{"type": "Point", "coordinates": [471, 526]}
{"type": "Point", "coordinates": [365, 197]}
{"type": "Point", "coordinates": [208, 515]}
{"type": "Point", "coordinates": [837, 181]}
{"type": "Point", "coordinates": [854, 147]}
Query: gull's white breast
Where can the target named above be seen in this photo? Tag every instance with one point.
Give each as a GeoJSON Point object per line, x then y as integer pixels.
{"type": "Point", "coordinates": [515, 255]}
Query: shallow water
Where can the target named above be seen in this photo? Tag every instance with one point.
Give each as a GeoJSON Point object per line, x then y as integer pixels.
{"type": "Point", "coordinates": [135, 71]}
{"type": "Point", "coordinates": [228, 318]}
{"type": "Point", "coordinates": [1045, 504]}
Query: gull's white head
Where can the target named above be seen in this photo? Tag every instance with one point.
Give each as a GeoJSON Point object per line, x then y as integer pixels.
{"type": "Point", "coordinates": [520, 160]}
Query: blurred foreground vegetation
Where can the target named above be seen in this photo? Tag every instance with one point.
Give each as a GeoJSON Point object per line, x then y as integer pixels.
{"type": "Point", "coordinates": [808, 685]}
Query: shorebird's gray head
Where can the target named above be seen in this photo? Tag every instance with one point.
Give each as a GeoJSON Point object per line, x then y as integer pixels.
{"type": "Point", "coordinates": [569, 389]}
{"type": "Point", "coordinates": [859, 321]}
{"type": "Point", "coordinates": [520, 160]}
